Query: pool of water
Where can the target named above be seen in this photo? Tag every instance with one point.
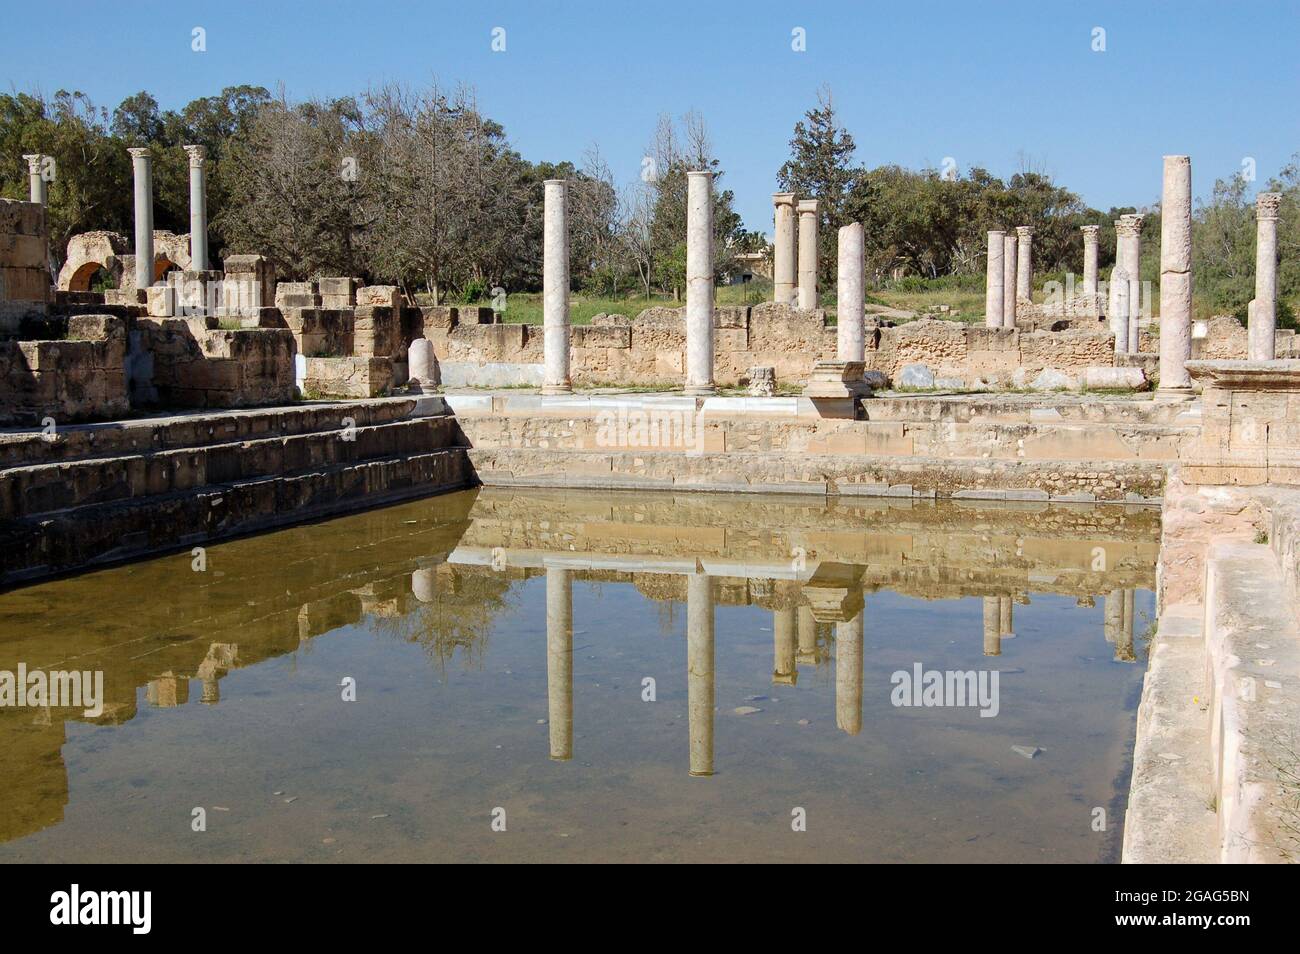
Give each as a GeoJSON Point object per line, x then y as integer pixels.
{"type": "Point", "coordinates": [613, 676]}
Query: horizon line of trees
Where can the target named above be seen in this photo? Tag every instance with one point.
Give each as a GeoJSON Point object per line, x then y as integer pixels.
{"type": "Point", "coordinates": [417, 187]}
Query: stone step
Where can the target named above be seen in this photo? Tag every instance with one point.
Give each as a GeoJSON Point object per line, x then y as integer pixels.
{"type": "Point", "coordinates": [173, 432]}
{"type": "Point", "coordinates": [43, 488]}
{"type": "Point", "coordinates": [102, 533]}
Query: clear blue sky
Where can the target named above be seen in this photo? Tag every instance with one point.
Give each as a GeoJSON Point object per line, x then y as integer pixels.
{"type": "Point", "coordinates": [986, 82]}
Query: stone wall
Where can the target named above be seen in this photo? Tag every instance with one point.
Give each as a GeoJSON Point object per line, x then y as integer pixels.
{"type": "Point", "coordinates": [189, 362]}
{"type": "Point", "coordinates": [81, 377]}
{"type": "Point", "coordinates": [24, 263]}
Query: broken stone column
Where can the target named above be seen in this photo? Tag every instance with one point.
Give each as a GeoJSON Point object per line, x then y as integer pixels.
{"type": "Point", "coordinates": [198, 209]}
{"type": "Point", "coordinates": [850, 341]}
{"type": "Point", "coordinates": [762, 381]}
{"type": "Point", "coordinates": [807, 654]}
{"type": "Point", "coordinates": [35, 180]}
{"type": "Point", "coordinates": [992, 626]}
{"type": "Point", "coordinates": [1009, 244]}
{"type": "Point", "coordinates": [1025, 263]}
{"type": "Point", "coordinates": [559, 661]}
{"type": "Point", "coordinates": [142, 166]}
{"type": "Point", "coordinates": [784, 671]}
{"type": "Point", "coordinates": [699, 283]}
{"type": "Point", "coordinates": [1006, 629]}
{"type": "Point", "coordinates": [1128, 256]}
{"type": "Point", "coordinates": [783, 249]}
{"type": "Point", "coordinates": [1090, 233]}
{"type": "Point", "coordinates": [555, 288]}
{"type": "Point", "coordinates": [423, 374]}
{"type": "Point", "coordinates": [994, 279]}
{"type": "Point", "coordinates": [699, 676]}
{"type": "Point", "coordinates": [1175, 280]}
{"type": "Point", "coordinates": [808, 254]}
{"type": "Point", "coordinates": [1120, 307]}
{"type": "Point", "coordinates": [848, 675]}
{"type": "Point", "coordinates": [1263, 322]}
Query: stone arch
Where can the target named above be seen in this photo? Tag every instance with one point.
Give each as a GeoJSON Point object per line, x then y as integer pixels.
{"type": "Point", "coordinates": [89, 252]}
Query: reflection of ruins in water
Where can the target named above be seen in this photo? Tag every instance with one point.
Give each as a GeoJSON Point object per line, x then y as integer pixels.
{"type": "Point", "coordinates": [438, 572]}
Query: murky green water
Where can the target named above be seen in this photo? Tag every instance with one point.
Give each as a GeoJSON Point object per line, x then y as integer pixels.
{"type": "Point", "coordinates": [768, 632]}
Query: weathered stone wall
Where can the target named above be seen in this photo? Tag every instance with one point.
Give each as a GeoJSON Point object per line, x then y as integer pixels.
{"type": "Point", "coordinates": [82, 377]}
{"type": "Point", "coordinates": [24, 264]}
{"type": "Point", "coordinates": [185, 362]}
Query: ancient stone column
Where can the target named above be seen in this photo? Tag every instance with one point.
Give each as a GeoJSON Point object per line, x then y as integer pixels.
{"type": "Point", "coordinates": [808, 254]}
{"type": "Point", "coordinates": [559, 660]}
{"type": "Point", "coordinates": [1090, 233]}
{"type": "Point", "coordinates": [783, 249]}
{"type": "Point", "coordinates": [850, 341]}
{"type": "Point", "coordinates": [784, 671]}
{"type": "Point", "coordinates": [1025, 263]}
{"type": "Point", "coordinates": [424, 584]}
{"type": "Point", "coordinates": [994, 280]}
{"type": "Point", "coordinates": [1263, 323]}
{"type": "Point", "coordinates": [1128, 256]}
{"type": "Point", "coordinates": [807, 637]}
{"type": "Point", "coordinates": [1120, 307]}
{"type": "Point", "coordinates": [423, 373]}
{"type": "Point", "coordinates": [1113, 616]}
{"type": "Point", "coordinates": [1006, 630]}
{"type": "Point", "coordinates": [1175, 280]}
{"type": "Point", "coordinates": [1124, 644]}
{"type": "Point", "coordinates": [198, 208]}
{"type": "Point", "coordinates": [992, 626]}
{"type": "Point", "coordinates": [699, 283]}
{"type": "Point", "coordinates": [699, 677]}
{"type": "Point", "coordinates": [555, 288]}
{"type": "Point", "coordinates": [35, 181]}
{"type": "Point", "coordinates": [142, 165]}
{"type": "Point", "coordinates": [848, 675]}
{"type": "Point", "coordinates": [1009, 249]}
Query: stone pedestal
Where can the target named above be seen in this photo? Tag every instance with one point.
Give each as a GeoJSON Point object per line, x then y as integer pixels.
{"type": "Point", "coordinates": [807, 296]}
{"type": "Point", "coordinates": [837, 379]}
{"type": "Point", "coordinates": [783, 249]}
{"type": "Point", "coordinates": [1175, 280]}
{"type": "Point", "coordinates": [555, 288]}
{"type": "Point", "coordinates": [1263, 320]}
{"type": "Point", "coordinates": [995, 279]}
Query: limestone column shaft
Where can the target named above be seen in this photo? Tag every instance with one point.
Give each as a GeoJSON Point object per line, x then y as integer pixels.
{"type": "Point", "coordinates": [1128, 256]}
{"type": "Point", "coordinates": [1120, 308]}
{"type": "Point", "coordinates": [1113, 616]}
{"type": "Point", "coordinates": [784, 670]}
{"type": "Point", "coordinates": [142, 167]}
{"type": "Point", "coordinates": [198, 208]}
{"type": "Point", "coordinates": [1090, 258]}
{"type": "Point", "coordinates": [807, 637]}
{"type": "Point", "coordinates": [699, 283]}
{"type": "Point", "coordinates": [699, 662]}
{"type": "Point", "coordinates": [1025, 262]}
{"type": "Point", "coordinates": [35, 177]}
{"type": "Point", "coordinates": [783, 249]}
{"type": "Point", "coordinates": [994, 279]}
{"type": "Point", "coordinates": [1176, 279]}
{"type": "Point", "coordinates": [1263, 322]}
{"type": "Point", "coordinates": [1005, 626]}
{"type": "Point", "coordinates": [808, 250]}
{"type": "Point", "coordinates": [850, 336]}
{"type": "Point", "coordinates": [848, 675]}
{"type": "Point", "coordinates": [1009, 249]}
{"type": "Point", "coordinates": [1124, 643]}
{"type": "Point", "coordinates": [559, 660]}
{"type": "Point", "coordinates": [992, 626]}
{"type": "Point", "coordinates": [555, 288]}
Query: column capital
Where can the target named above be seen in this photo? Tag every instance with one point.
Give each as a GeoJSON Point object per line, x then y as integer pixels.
{"type": "Point", "coordinates": [34, 162]}
{"type": "Point", "coordinates": [197, 154]}
{"type": "Point", "coordinates": [998, 232]}
{"type": "Point", "coordinates": [1090, 231]}
{"type": "Point", "coordinates": [1025, 232]}
{"type": "Point", "coordinates": [807, 206]}
{"type": "Point", "coordinates": [139, 152]}
{"type": "Point", "coordinates": [699, 172]}
{"type": "Point", "coordinates": [783, 198]}
{"type": "Point", "coordinates": [1266, 204]}
{"type": "Point", "coordinates": [1129, 226]}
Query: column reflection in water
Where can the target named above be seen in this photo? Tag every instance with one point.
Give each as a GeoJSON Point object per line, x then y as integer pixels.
{"type": "Point", "coordinates": [1124, 643]}
{"type": "Point", "coordinates": [559, 660]}
{"type": "Point", "coordinates": [699, 662]}
{"type": "Point", "coordinates": [848, 674]}
{"type": "Point", "coordinates": [992, 626]}
{"type": "Point", "coordinates": [807, 655]}
{"type": "Point", "coordinates": [784, 671]}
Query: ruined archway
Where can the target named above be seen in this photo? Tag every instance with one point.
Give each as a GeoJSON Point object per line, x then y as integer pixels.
{"type": "Point", "coordinates": [89, 252]}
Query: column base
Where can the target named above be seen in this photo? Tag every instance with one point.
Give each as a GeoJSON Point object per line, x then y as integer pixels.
{"type": "Point", "coordinates": [1174, 395]}
{"type": "Point", "coordinates": [556, 389]}
{"type": "Point", "coordinates": [700, 390]}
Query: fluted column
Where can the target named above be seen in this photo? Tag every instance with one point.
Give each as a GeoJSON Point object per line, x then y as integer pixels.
{"type": "Point", "coordinates": [1025, 263]}
{"type": "Point", "coordinates": [699, 283]}
{"type": "Point", "coordinates": [850, 341]}
{"type": "Point", "coordinates": [808, 250]}
{"type": "Point", "coordinates": [555, 288]}
{"type": "Point", "coordinates": [142, 166]}
{"type": "Point", "coordinates": [699, 662]}
{"type": "Point", "coordinates": [1090, 233]}
{"type": "Point", "coordinates": [783, 249]}
{"type": "Point", "coordinates": [198, 208]}
{"type": "Point", "coordinates": [784, 670]}
{"type": "Point", "coordinates": [1009, 244]}
{"type": "Point", "coordinates": [1263, 322]}
{"type": "Point", "coordinates": [994, 279]}
{"type": "Point", "coordinates": [1175, 279]}
{"type": "Point", "coordinates": [848, 675]}
{"type": "Point", "coordinates": [35, 179]}
{"type": "Point", "coordinates": [559, 660]}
